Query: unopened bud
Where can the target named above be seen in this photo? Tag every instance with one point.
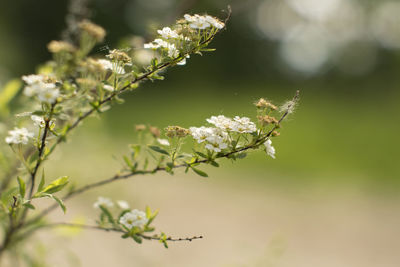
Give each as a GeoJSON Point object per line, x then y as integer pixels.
{"type": "Point", "coordinates": [154, 131]}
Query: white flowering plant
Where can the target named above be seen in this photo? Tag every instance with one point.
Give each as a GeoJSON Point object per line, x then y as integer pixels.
{"type": "Point", "coordinates": [77, 84]}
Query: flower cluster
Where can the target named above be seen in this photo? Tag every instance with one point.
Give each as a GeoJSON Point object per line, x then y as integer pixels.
{"type": "Point", "coordinates": [19, 136]}
{"type": "Point", "coordinates": [218, 138]}
{"type": "Point", "coordinates": [203, 22]}
{"type": "Point", "coordinates": [44, 88]}
{"type": "Point", "coordinates": [175, 41]}
{"type": "Point", "coordinates": [134, 218]}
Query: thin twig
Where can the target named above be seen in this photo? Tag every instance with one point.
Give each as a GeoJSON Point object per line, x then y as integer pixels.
{"type": "Point", "coordinates": [95, 227]}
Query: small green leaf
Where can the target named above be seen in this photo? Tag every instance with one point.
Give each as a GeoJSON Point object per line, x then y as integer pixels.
{"type": "Point", "coordinates": [41, 184]}
{"type": "Point", "coordinates": [214, 163]}
{"type": "Point", "coordinates": [201, 154]}
{"type": "Point", "coordinates": [128, 162]}
{"type": "Point", "coordinates": [22, 186]}
{"type": "Point", "coordinates": [28, 205]}
{"type": "Point", "coordinates": [137, 239]}
{"type": "Point", "coordinates": [60, 203]}
{"type": "Point", "coordinates": [159, 150]}
{"type": "Point", "coordinates": [56, 185]}
{"type": "Point", "coordinates": [108, 214]}
{"type": "Point", "coordinates": [241, 155]}
{"type": "Point", "coordinates": [126, 235]}
{"type": "Point", "coordinates": [199, 172]}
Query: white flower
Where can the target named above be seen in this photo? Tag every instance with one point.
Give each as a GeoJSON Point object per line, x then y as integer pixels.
{"type": "Point", "coordinates": [18, 136]}
{"type": "Point", "coordinates": [183, 61]}
{"type": "Point", "coordinates": [107, 65]}
{"type": "Point", "coordinates": [113, 66]}
{"type": "Point", "coordinates": [167, 33]}
{"type": "Point", "coordinates": [103, 201]}
{"type": "Point", "coordinates": [269, 148]}
{"type": "Point", "coordinates": [214, 22]}
{"type": "Point", "coordinates": [40, 122]}
{"type": "Point", "coordinates": [172, 51]}
{"type": "Point", "coordinates": [33, 78]}
{"type": "Point", "coordinates": [189, 18]}
{"type": "Point", "coordinates": [198, 22]}
{"type": "Point", "coordinates": [163, 142]}
{"type": "Point", "coordinates": [48, 93]}
{"type": "Point", "coordinates": [222, 122]}
{"type": "Point", "coordinates": [108, 88]}
{"type": "Point", "coordinates": [202, 133]}
{"type": "Point", "coordinates": [37, 86]}
{"type": "Point", "coordinates": [134, 218]}
{"type": "Point", "coordinates": [215, 143]}
{"type": "Point", "coordinates": [243, 125]}
{"type": "Point", "coordinates": [157, 43]}
{"type": "Point", "coordinates": [123, 204]}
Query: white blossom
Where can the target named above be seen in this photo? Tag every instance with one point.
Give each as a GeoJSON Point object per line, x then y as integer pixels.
{"type": "Point", "coordinates": [163, 142]}
{"type": "Point", "coordinates": [202, 133]}
{"type": "Point", "coordinates": [18, 136]}
{"type": "Point", "coordinates": [222, 122]}
{"type": "Point", "coordinates": [33, 79]}
{"type": "Point", "coordinates": [48, 93]}
{"type": "Point", "coordinates": [122, 204]}
{"type": "Point", "coordinates": [197, 21]}
{"type": "Point", "coordinates": [214, 22]}
{"type": "Point", "coordinates": [37, 86]}
{"type": "Point", "coordinates": [103, 201]}
{"type": "Point", "coordinates": [108, 87]}
{"type": "Point", "coordinates": [134, 218]}
{"type": "Point", "coordinates": [172, 51]}
{"type": "Point", "coordinates": [40, 122]}
{"type": "Point", "coordinates": [157, 43]}
{"type": "Point", "coordinates": [113, 66]}
{"type": "Point", "coordinates": [243, 125]}
{"type": "Point", "coordinates": [167, 33]}
{"type": "Point", "coordinates": [107, 65]}
{"type": "Point", "coordinates": [215, 143]}
{"type": "Point", "coordinates": [183, 61]}
{"type": "Point", "coordinates": [269, 148]}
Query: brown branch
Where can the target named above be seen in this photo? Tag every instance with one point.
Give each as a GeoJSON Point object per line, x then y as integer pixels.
{"type": "Point", "coordinates": [95, 227]}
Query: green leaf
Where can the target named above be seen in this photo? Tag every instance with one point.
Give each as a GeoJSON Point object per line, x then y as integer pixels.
{"type": "Point", "coordinates": [7, 93]}
{"type": "Point", "coordinates": [241, 155]}
{"type": "Point", "coordinates": [214, 163]}
{"type": "Point", "coordinates": [56, 185]}
{"type": "Point", "coordinates": [28, 205]}
{"type": "Point", "coordinates": [41, 184]}
{"type": "Point", "coordinates": [22, 186]}
{"type": "Point", "coordinates": [199, 172]}
{"type": "Point", "coordinates": [128, 162]}
{"type": "Point", "coordinates": [137, 239]}
{"type": "Point", "coordinates": [201, 154]}
{"type": "Point", "coordinates": [135, 151]}
{"type": "Point", "coordinates": [159, 150]}
{"type": "Point", "coordinates": [126, 235]}
{"type": "Point", "coordinates": [60, 203]}
{"type": "Point", "coordinates": [108, 214]}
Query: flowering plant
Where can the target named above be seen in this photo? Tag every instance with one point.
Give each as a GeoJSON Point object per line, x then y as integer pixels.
{"type": "Point", "coordinates": [77, 84]}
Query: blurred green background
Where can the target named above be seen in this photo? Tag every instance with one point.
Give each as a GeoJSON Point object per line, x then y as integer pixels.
{"type": "Point", "coordinates": [334, 185]}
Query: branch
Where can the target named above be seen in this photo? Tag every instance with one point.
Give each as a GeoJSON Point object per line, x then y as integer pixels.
{"type": "Point", "coordinates": [95, 227]}
{"type": "Point", "coordinates": [117, 177]}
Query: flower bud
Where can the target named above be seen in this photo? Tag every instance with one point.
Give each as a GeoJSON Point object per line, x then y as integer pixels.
{"type": "Point", "coordinates": [155, 131]}
{"type": "Point", "coordinates": [96, 31]}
